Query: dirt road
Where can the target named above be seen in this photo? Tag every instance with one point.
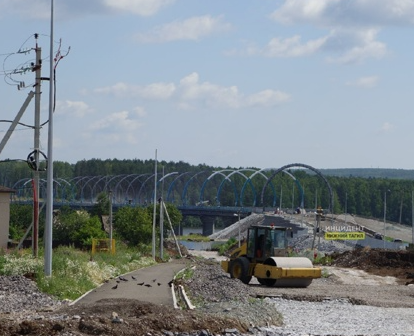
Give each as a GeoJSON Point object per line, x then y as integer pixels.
{"type": "Point", "coordinates": [357, 285]}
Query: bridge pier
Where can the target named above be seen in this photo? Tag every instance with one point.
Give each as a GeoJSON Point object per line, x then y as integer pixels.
{"type": "Point", "coordinates": [208, 224]}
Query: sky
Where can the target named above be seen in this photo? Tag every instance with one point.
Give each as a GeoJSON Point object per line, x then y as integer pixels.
{"type": "Point", "coordinates": [235, 83]}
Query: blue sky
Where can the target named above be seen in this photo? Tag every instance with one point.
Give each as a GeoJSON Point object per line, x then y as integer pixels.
{"type": "Point", "coordinates": [239, 83]}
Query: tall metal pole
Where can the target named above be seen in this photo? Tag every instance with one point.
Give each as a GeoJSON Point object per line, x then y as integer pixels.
{"type": "Point", "coordinates": [239, 226]}
{"type": "Point", "coordinates": [110, 220]}
{"type": "Point", "coordinates": [293, 197]}
{"type": "Point", "coordinates": [36, 191]}
{"type": "Point", "coordinates": [346, 205]}
{"type": "Point", "coordinates": [412, 215]}
{"type": "Point", "coordinates": [155, 208]}
{"type": "Point", "coordinates": [161, 228]}
{"type": "Point", "coordinates": [162, 217]}
{"type": "Point", "coordinates": [280, 201]}
{"type": "Point", "coordinates": [49, 208]}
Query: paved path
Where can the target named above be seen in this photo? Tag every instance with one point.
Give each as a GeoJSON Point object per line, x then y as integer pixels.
{"type": "Point", "coordinates": [155, 277]}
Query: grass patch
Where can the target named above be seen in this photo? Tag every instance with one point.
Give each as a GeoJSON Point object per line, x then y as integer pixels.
{"type": "Point", "coordinates": [223, 248]}
{"type": "Point", "coordinates": [74, 272]}
{"type": "Point", "coordinates": [195, 238]}
{"type": "Point", "coordinates": [185, 274]}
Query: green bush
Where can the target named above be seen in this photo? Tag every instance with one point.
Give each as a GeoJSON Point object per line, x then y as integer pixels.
{"type": "Point", "coordinates": [77, 227]}
{"type": "Point", "coordinates": [228, 245]}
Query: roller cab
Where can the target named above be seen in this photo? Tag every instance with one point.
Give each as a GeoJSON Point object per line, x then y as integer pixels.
{"type": "Point", "coordinates": [264, 256]}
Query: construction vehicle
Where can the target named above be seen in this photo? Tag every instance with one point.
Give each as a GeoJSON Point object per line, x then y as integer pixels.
{"type": "Point", "coordinates": [264, 255]}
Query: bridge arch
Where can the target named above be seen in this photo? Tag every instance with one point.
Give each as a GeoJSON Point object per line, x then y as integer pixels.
{"type": "Point", "coordinates": [260, 172]}
{"type": "Point", "coordinates": [162, 179]}
{"type": "Point", "coordinates": [303, 166]}
{"type": "Point", "coordinates": [135, 196]}
{"type": "Point", "coordinates": [220, 172]}
{"type": "Point", "coordinates": [168, 198]}
{"type": "Point", "coordinates": [184, 194]}
{"type": "Point", "coordinates": [248, 180]}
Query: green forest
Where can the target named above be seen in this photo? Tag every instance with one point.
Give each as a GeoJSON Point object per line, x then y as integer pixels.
{"type": "Point", "coordinates": [363, 192]}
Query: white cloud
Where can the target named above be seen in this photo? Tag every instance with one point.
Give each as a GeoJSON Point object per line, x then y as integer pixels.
{"type": "Point", "coordinates": [117, 127]}
{"type": "Point", "coordinates": [386, 127]}
{"type": "Point", "coordinates": [140, 7]}
{"type": "Point", "coordinates": [151, 91]}
{"type": "Point", "coordinates": [352, 26]}
{"type": "Point", "coordinates": [30, 9]}
{"type": "Point", "coordinates": [213, 95]}
{"type": "Point", "coordinates": [355, 46]}
{"type": "Point", "coordinates": [267, 98]}
{"type": "Point", "coordinates": [140, 111]}
{"type": "Point", "coordinates": [73, 108]}
{"type": "Point", "coordinates": [365, 82]}
{"type": "Point", "coordinates": [122, 122]}
{"type": "Point", "coordinates": [40, 9]}
{"type": "Point", "coordinates": [190, 93]}
{"type": "Point", "coordinates": [193, 29]}
{"type": "Point", "coordinates": [348, 46]}
{"type": "Point", "coordinates": [345, 13]}
{"type": "Point", "coordinates": [289, 47]}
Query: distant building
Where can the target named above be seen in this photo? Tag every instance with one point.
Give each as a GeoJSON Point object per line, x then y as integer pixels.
{"type": "Point", "coordinates": [4, 215]}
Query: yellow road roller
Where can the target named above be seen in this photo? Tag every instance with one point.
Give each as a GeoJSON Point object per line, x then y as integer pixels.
{"type": "Point", "coordinates": [264, 256]}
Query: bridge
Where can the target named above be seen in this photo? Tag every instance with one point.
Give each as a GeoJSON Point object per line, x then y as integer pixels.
{"type": "Point", "coordinates": [205, 194]}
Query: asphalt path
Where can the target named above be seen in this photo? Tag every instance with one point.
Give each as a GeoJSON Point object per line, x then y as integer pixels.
{"type": "Point", "coordinates": [149, 284]}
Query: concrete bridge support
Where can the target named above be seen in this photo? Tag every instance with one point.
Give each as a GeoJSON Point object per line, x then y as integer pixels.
{"type": "Point", "coordinates": [208, 224]}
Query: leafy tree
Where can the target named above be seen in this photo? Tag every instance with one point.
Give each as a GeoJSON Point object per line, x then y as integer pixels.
{"type": "Point", "coordinates": [192, 221]}
{"type": "Point", "coordinates": [77, 227]}
{"type": "Point", "coordinates": [173, 213]}
{"type": "Point", "coordinates": [90, 230]}
{"type": "Point", "coordinates": [62, 169]}
{"type": "Point", "coordinates": [102, 205]}
{"type": "Point", "coordinates": [21, 217]}
{"type": "Point", "coordinates": [133, 225]}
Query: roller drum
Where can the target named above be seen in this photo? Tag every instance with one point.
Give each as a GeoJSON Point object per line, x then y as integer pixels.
{"type": "Point", "coordinates": [291, 262]}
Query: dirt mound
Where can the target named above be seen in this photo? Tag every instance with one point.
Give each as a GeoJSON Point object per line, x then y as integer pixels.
{"type": "Point", "coordinates": [171, 249]}
{"type": "Point", "coordinates": [399, 264]}
{"type": "Point", "coordinates": [117, 317]}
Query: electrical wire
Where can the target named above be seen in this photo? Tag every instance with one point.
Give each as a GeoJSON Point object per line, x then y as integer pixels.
{"type": "Point", "coordinates": [20, 123]}
{"type": "Point", "coordinates": [22, 69]}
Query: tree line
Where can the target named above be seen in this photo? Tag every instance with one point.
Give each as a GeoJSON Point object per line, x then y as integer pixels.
{"type": "Point", "coordinates": [364, 196]}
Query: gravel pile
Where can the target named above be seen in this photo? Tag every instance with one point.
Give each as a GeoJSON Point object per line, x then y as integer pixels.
{"type": "Point", "coordinates": [210, 284]}
{"type": "Point", "coordinates": [20, 294]}
{"type": "Point", "coordinates": [214, 292]}
{"type": "Point", "coordinates": [340, 317]}
{"type": "Point", "coordinates": [304, 242]}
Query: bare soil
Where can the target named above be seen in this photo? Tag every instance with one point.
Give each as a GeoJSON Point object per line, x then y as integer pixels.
{"type": "Point", "coordinates": [133, 317]}
{"type": "Point", "coordinates": [385, 263]}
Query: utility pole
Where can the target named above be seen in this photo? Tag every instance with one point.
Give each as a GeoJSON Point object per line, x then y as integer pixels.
{"type": "Point", "coordinates": [36, 192]}
{"type": "Point", "coordinates": [155, 207]}
{"type": "Point", "coordinates": [162, 217]}
{"type": "Point", "coordinates": [49, 189]}
{"type": "Point", "coordinates": [412, 216]}
{"type": "Point", "coordinates": [110, 220]}
{"type": "Point", "coordinates": [161, 228]}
